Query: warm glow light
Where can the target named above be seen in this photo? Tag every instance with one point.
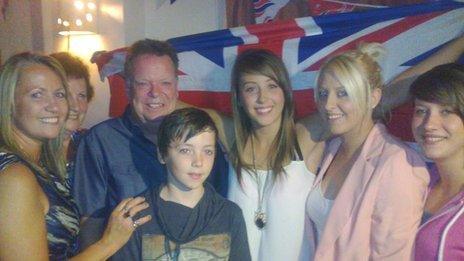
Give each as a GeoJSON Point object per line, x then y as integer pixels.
{"type": "Point", "coordinates": [66, 33]}
{"type": "Point", "coordinates": [79, 5]}
{"type": "Point", "coordinates": [78, 22]}
{"type": "Point", "coordinates": [66, 23]}
{"type": "Point", "coordinates": [114, 11]}
{"type": "Point", "coordinates": [89, 17]}
{"type": "Point", "coordinates": [83, 45]}
{"type": "Point", "coordinates": [59, 21]}
{"type": "Point", "coordinates": [91, 6]}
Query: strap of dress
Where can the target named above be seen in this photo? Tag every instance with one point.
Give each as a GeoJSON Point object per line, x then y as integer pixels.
{"type": "Point", "coordinates": [7, 158]}
{"type": "Point", "coordinates": [298, 154]}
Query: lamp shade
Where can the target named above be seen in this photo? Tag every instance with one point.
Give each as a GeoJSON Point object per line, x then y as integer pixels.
{"type": "Point", "coordinates": [77, 17]}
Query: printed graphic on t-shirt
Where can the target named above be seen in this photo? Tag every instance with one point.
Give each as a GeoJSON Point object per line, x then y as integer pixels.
{"type": "Point", "coordinates": [207, 247]}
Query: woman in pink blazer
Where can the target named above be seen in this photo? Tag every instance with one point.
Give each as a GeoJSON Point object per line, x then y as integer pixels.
{"type": "Point", "coordinates": [438, 127]}
{"type": "Point", "coordinates": [367, 200]}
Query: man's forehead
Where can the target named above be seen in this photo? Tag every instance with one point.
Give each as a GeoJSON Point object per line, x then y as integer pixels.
{"type": "Point", "coordinates": [153, 59]}
{"type": "Point", "coordinates": [153, 64]}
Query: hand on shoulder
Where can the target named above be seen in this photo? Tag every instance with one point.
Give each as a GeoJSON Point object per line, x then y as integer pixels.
{"type": "Point", "coordinates": [122, 223]}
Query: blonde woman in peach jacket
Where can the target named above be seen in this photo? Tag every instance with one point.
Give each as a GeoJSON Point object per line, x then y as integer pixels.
{"type": "Point", "coordinates": [367, 200]}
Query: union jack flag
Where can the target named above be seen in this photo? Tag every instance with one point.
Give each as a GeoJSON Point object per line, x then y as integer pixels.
{"type": "Point", "coordinates": [409, 33]}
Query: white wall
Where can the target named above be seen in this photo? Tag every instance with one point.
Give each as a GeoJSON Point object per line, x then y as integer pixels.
{"type": "Point", "coordinates": [30, 26]}
{"type": "Point", "coordinates": [16, 30]}
{"type": "Point", "coordinates": [184, 17]}
{"type": "Point", "coordinates": [134, 17]}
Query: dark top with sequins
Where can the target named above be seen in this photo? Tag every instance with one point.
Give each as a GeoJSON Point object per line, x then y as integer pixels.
{"type": "Point", "coordinates": [62, 219]}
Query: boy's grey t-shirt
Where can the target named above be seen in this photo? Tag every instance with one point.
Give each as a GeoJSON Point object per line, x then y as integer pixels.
{"type": "Point", "coordinates": [213, 230]}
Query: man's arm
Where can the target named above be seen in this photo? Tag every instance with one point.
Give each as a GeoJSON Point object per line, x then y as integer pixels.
{"type": "Point", "coordinates": [397, 90]}
{"type": "Point", "coordinates": [89, 190]}
{"type": "Point", "coordinates": [91, 230]}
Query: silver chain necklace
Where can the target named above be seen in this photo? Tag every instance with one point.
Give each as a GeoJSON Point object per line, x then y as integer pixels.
{"type": "Point", "coordinates": [260, 215]}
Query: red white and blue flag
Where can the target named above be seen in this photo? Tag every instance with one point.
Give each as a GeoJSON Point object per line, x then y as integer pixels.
{"type": "Point", "coordinates": [409, 33]}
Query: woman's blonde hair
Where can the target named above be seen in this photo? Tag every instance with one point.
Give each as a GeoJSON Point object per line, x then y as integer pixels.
{"type": "Point", "coordinates": [359, 72]}
{"type": "Point", "coordinates": [262, 62]}
{"type": "Point", "coordinates": [51, 158]}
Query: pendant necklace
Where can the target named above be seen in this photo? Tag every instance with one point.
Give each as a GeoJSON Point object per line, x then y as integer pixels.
{"type": "Point", "coordinates": [260, 215]}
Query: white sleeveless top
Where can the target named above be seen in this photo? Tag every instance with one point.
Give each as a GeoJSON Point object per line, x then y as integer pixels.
{"type": "Point", "coordinates": [284, 205]}
{"type": "Point", "coordinates": [318, 209]}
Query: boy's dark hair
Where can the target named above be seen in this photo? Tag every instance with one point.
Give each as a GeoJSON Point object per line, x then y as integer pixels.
{"type": "Point", "coordinates": [75, 69]}
{"type": "Point", "coordinates": [444, 85]}
{"type": "Point", "coordinates": [148, 46]}
{"type": "Point", "coordinates": [181, 125]}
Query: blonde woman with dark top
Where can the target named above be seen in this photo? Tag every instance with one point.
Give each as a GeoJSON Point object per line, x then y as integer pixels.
{"type": "Point", "coordinates": [38, 217]}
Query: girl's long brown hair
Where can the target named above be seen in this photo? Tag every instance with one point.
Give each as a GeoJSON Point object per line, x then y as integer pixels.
{"type": "Point", "coordinates": [262, 62]}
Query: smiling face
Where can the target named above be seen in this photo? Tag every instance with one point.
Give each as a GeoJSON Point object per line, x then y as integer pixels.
{"type": "Point", "coordinates": [439, 130]}
{"type": "Point", "coordinates": [154, 86]}
{"type": "Point", "coordinates": [263, 100]}
{"type": "Point", "coordinates": [189, 162]}
{"type": "Point", "coordinates": [339, 110]}
{"type": "Point", "coordinates": [78, 104]}
{"type": "Point", "coordinates": [336, 107]}
{"type": "Point", "coordinates": [40, 104]}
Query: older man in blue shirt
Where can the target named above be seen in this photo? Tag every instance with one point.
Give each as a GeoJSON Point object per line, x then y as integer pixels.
{"type": "Point", "coordinates": [117, 159]}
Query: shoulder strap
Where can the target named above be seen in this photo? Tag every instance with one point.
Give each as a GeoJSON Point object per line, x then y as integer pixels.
{"type": "Point", "coordinates": [299, 154]}
{"type": "Point", "coordinates": [7, 158]}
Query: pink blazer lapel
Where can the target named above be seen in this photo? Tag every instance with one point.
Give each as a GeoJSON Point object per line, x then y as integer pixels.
{"type": "Point", "coordinates": [352, 190]}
